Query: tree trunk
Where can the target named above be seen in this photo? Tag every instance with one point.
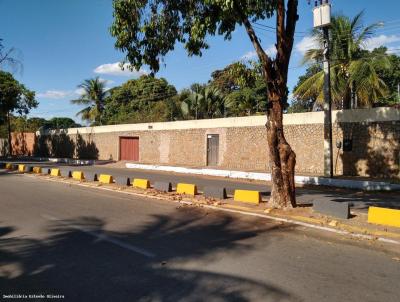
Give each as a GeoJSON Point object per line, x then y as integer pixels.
{"type": "Point", "coordinates": [9, 134]}
{"type": "Point", "coordinates": [282, 157]}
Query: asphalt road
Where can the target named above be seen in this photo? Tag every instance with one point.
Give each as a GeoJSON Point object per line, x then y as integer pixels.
{"type": "Point", "coordinates": [93, 245]}
{"type": "Point", "coordinates": [358, 200]}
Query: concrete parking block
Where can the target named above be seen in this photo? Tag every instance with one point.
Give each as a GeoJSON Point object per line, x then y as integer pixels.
{"type": "Point", "coordinates": [78, 175]}
{"type": "Point", "coordinates": [91, 176]}
{"type": "Point", "coordinates": [332, 208]}
{"type": "Point", "coordinates": [189, 189]}
{"type": "Point", "coordinates": [215, 192]}
{"type": "Point", "coordinates": [141, 183]}
{"type": "Point", "coordinates": [28, 169]}
{"type": "Point", "coordinates": [37, 170]}
{"type": "Point", "coordinates": [122, 181]}
{"type": "Point", "coordinates": [248, 196]}
{"type": "Point", "coordinates": [384, 216]}
{"type": "Point", "coordinates": [163, 186]}
{"type": "Point", "coordinates": [66, 172]}
{"type": "Point", "coordinates": [55, 172]}
{"type": "Point", "coordinates": [106, 179]}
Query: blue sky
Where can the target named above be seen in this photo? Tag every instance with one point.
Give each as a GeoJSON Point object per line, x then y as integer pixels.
{"type": "Point", "coordinates": [63, 42]}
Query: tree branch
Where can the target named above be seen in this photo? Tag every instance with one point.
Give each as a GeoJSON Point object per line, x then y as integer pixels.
{"type": "Point", "coordinates": [280, 29]}
{"type": "Point", "coordinates": [264, 58]}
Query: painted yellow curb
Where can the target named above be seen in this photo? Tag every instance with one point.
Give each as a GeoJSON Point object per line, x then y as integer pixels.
{"type": "Point", "coordinates": [78, 175]}
{"type": "Point", "coordinates": [55, 172]}
{"type": "Point", "coordinates": [188, 189]}
{"type": "Point", "coordinates": [8, 166]}
{"type": "Point", "coordinates": [141, 183]}
{"type": "Point", "coordinates": [37, 170]}
{"type": "Point", "coordinates": [105, 179]}
{"type": "Point", "coordinates": [21, 168]}
{"type": "Point", "coordinates": [247, 196]}
{"type": "Point", "coordinates": [384, 216]}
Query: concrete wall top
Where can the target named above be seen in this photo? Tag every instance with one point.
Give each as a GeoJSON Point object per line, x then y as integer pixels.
{"type": "Point", "coordinates": [347, 116]}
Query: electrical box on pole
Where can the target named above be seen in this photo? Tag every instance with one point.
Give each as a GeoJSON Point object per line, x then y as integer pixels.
{"type": "Point", "coordinates": [322, 15]}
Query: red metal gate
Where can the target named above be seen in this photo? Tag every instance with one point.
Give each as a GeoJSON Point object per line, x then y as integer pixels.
{"type": "Point", "coordinates": [129, 148]}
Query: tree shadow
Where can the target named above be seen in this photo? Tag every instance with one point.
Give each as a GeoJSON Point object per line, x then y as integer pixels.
{"type": "Point", "coordinates": [86, 149]}
{"type": "Point", "coordinates": [77, 261]}
{"type": "Point", "coordinates": [61, 145]}
{"type": "Point", "coordinates": [361, 200]}
{"type": "Point", "coordinates": [19, 144]}
{"type": "Point", "coordinates": [3, 147]}
{"type": "Point", "coordinates": [41, 147]}
{"type": "Point", "coordinates": [370, 149]}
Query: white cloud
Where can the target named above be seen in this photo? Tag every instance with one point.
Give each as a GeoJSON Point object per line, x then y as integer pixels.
{"type": "Point", "coordinates": [107, 82]}
{"type": "Point", "coordinates": [249, 55]}
{"type": "Point", "coordinates": [381, 40]}
{"type": "Point", "coordinates": [271, 51]}
{"type": "Point", "coordinates": [115, 70]}
{"type": "Point", "coordinates": [54, 94]}
{"type": "Point", "coordinates": [393, 50]}
{"type": "Point", "coordinates": [79, 91]}
{"type": "Point", "coordinates": [305, 44]}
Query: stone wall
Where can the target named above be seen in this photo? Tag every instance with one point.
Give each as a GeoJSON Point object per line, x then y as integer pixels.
{"type": "Point", "coordinates": [375, 135]}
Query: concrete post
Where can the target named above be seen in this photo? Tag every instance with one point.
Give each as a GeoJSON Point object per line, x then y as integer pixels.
{"type": "Point", "coordinates": [328, 152]}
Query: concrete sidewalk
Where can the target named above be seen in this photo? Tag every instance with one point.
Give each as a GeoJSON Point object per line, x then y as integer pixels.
{"type": "Point", "coordinates": [368, 185]}
{"type": "Point", "coordinates": [359, 200]}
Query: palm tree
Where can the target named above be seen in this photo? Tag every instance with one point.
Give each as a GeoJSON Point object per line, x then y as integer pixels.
{"type": "Point", "coordinates": [204, 102]}
{"type": "Point", "coordinates": [354, 77]}
{"type": "Point", "coordinates": [93, 94]}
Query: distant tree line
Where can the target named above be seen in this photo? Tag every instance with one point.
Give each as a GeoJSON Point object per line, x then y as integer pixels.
{"type": "Point", "coordinates": [236, 90]}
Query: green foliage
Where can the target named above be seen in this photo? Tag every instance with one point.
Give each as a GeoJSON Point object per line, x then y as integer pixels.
{"type": "Point", "coordinates": [308, 102]}
{"type": "Point", "coordinates": [236, 90]}
{"type": "Point", "coordinates": [24, 124]}
{"type": "Point", "coordinates": [61, 123]}
{"type": "Point", "coordinates": [391, 77]}
{"type": "Point", "coordinates": [146, 99]}
{"type": "Point", "coordinates": [354, 71]}
{"type": "Point", "coordinates": [243, 87]}
{"type": "Point", "coordinates": [93, 94]}
{"type": "Point", "coordinates": [204, 102]}
{"type": "Point", "coordinates": [139, 24]}
{"type": "Point", "coordinates": [15, 97]}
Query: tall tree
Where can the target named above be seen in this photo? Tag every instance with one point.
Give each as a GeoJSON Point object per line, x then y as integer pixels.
{"type": "Point", "coordinates": [148, 29]}
{"type": "Point", "coordinates": [354, 77]}
{"type": "Point", "coordinates": [14, 97]}
{"type": "Point", "coordinates": [93, 94]}
{"type": "Point", "coordinates": [137, 100]}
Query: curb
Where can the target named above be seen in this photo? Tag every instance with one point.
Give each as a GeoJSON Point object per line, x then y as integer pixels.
{"type": "Point", "coordinates": [237, 210]}
{"type": "Point", "coordinates": [304, 180]}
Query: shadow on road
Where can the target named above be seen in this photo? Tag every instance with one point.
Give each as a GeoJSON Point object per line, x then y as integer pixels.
{"type": "Point", "coordinates": [82, 267]}
{"type": "Point", "coordinates": [360, 200]}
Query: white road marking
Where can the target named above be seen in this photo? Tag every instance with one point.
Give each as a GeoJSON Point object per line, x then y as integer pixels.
{"type": "Point", "coordinates": [103, 237]}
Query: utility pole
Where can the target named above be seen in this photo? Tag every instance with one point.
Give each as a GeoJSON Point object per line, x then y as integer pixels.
{"type": "Point", "coordinates": [322, 20]}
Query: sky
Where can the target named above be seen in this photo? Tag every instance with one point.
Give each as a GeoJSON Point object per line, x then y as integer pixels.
{"type": "Point", "coordinates": [63, 42]}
